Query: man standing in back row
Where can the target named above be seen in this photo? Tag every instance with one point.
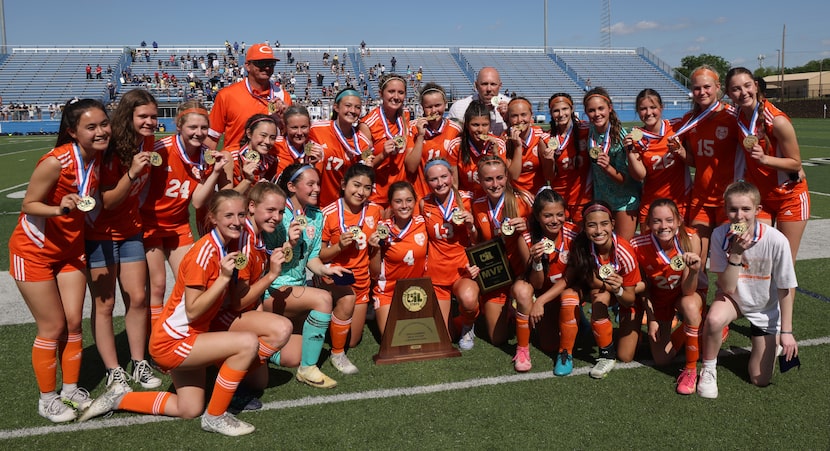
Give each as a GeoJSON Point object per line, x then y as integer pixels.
{"type": "Point", "coordinates": [488, 84]}
{"type": "Point", "coordinates": [239, 101]}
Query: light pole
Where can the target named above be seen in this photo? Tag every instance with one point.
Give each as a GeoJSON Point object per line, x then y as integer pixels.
{"type": "Point", "coordinates": [761, 59]}
{"type": "Point", "coordinates": [780, 81]}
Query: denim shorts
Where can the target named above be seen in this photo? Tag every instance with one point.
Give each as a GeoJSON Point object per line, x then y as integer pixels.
{"type": "Point", "coordinates": [108, 252]}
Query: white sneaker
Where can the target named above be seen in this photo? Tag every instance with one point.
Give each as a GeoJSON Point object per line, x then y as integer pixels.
{"type": "Point", "coordinates": [143, 374]}
{"type": "Point", "coordinates": [226, 424]}
{"type": "Point", "coordinates": [468, 338]}
{"type": "Point", "coordinates": [107, 402]}
{"type": "Point", "coordinates": [343, 364]}
{"type": "Point", "coordinates": [707, 384]}
{"type": "Point", "coordinates": [120, 377]}
{"type": "Point", "coordinates": [602, 368]}
{"type": "Point", "coordinates": [55, 410]}
{"type": "Point", "coordinates": [78, 399]}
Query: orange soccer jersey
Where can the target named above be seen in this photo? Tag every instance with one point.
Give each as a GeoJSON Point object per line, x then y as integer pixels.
{"type": "Point", "coordinates": [174, 333]}
{"type": "Point", "coordinates": [558, 260]}
{"type": "Point", "coordinates": [532, 177]}
{"type": "Point", "coordinates": [664, 283]}
{"type": "Point", "coordinates": [447, 241]}
{"type": "Point", "coordinates": [391, 169]}
{"type": "Point", "coordinates": [573, 170]}
{"type": "Point", "coordinates": [403, 256]}
{"type": "Point", "coordinates": [123, 221]}
{"type": "Point", "coordinates": [165, 200]}
{"type": "Point", "coordinates": [713, 142]}
{"type": "Point", "coordinates": [265, 171]}
{"type": "Point", "coordinates": [252, 246]}
{"type": "Point", "coordinates": [667, 175]}
{"type": "Point", "coordinates": [234, 105]}
{"type": "Point", "coordinates": [468, 171]}
{"type": "Point", "coordinates": [488, 224]}
{"type": "Point", "coordinates": [338, 220]}
{"type": "Point", "coordinates": [436, 145]}
{"type": "Point", "coordinates": [624, 260]}
{"type": "Point", "coordinates": [339, 154]}
{"type": "Point", "coordinates": [59, 238]}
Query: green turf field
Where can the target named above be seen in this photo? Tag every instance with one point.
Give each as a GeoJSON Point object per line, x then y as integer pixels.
{"type": "Point", "coordinates": [472, 401]}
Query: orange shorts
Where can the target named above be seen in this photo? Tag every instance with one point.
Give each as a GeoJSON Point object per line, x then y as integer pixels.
{"type": "Point", "coordinates": [168, 239]}
{"type": "Point", "coordinates": [790, 206]}
{"type": "Point", "coordinates": [169, 353]}
{"type": "Point", "coordinates": [35, 270]}
{"type": "Point", "coordinates": [499, 296]}
{"type": "Point", "coordinates": [711, 215]}
{"type": "Point", "coordinates": [664, 311]}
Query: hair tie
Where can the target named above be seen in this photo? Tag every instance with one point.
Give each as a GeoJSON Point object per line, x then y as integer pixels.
{"type": "Point", "coordinates": [429, 90]}
{"type": "Point", "coordinates": [390, 78]}
{"type": "Point", "coordinates": [201, 111]}
{"type": "Point", "coordinates": [433, 162]}
{"type": "Point", "coordinates": [256, 121]}
{"type": "Point", "coordinates": [299, 171]}
{"type": "Point", "coordinates": [596, 207]}
{"type": "Point", "coordinates": [707, 71]}
{"type": "Point", "coordinates": [607, 99]}
{"type": "Point", "coordinates": [346, 93]}
{"type": "Point", "coordinates": [560, 99]}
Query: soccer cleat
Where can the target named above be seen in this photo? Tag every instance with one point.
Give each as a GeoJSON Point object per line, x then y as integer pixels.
{"type": "Point", "coordinates": [226, 424]}
{"type": "Point", "coordinates": [120, 377]}
{"type": "Point", "coordinates": [143, 374]}
{"type": "Point", "coordinates": [564, 364]}
{"type": "Point", "coordinates": [343, 364]}
{"type": "Point", "coordinates": [312, 375]}
{"type": "Point", "coordinates": [468, 338]}
{"type": "Point", "coordinates": [602, 367]}
{"type": "Point", "coordinates": [707, 385]}
{"type": "Point", "coordinates": [55, 410]}
{"type": "Point", "coordinates": [687, 381]}
{"type": "Point", "coordinates": [107, 402]}
{"type": "Point", "coordinates": [521, 361]}
{"type": "Point", "coordinates": [244, 399]}
{"type": "Point", "coordinates": [78, 399]}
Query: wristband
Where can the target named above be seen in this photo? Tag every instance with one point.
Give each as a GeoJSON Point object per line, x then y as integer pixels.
{"type": "Point", "coordinates": [538, 266]}
{"type": "Point", "coordinates": [788, 332]}
{"type": "Point", "coordinates": [620, 291]}
{"type": "Point", "coordinates": [132, 179]}
{"type": "Point", "coordinates": [734, 264]}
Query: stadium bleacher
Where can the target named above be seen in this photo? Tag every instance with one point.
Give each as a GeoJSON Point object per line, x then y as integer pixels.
{"type": "Point", "coordinates": [44, 76]}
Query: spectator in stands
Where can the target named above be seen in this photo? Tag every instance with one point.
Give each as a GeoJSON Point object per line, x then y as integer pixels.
{"type": "Point", "coordinates": [99, 72]}
{"type": "Point", "coordinates": [256, 94]}
{"type": "Point", "coordinates": [111, 90]}
{"type": "Point", "coordinates": [155, 47]}
{"type": "Point", "coordinates": [393, 62]}
{"type": "Point", "coordinates": [88, 72]}
{"type": "Point", "coordinates": [487, 85]}
{"type": "Point", "coordinates": [143, 44]}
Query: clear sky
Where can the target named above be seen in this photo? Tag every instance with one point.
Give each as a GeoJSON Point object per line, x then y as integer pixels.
{"type": "Point", "coordinates": [739, 31]}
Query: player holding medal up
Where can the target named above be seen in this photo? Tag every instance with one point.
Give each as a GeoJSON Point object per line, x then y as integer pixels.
{"type": "Point", "coordinates": [46, 251]}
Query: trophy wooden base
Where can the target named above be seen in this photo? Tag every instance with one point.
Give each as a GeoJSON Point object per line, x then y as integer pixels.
{"type": "Point", "coordinates": [415, 327]}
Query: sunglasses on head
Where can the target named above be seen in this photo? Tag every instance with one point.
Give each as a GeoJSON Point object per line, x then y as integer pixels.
{"type": "Point", "coordinates": [264, 64]}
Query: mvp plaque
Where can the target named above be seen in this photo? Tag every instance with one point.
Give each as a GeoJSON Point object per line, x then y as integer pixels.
{"type": "Point", "coordinates": [490, 257]}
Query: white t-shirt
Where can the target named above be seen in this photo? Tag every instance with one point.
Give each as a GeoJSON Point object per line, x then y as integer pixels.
{"type": "Point", "coordinates": [459, 107]}
{"type": "Point", "coordinates": [768, 266]}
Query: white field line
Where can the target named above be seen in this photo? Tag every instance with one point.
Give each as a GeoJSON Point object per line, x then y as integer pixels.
{"type": "Point", "coordinates": [819, 194]}
{"type": "Point", "coordinates": [360, 396]}
{"type": "Point", "coordinates": [13, 187]}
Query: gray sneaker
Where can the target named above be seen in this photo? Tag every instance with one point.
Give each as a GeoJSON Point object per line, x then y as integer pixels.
{"type": "Point", "coordinates": [120, 377]}
{"type": "Point", "coordinates": [343, 364]}
{"type": "Point", "coordinates": [468, 338]}
{"type": "Point", "coordinates": [55, 410]}
{"type": "Point", "coordinates": [77, 399]}
{"type": "Point", "coordinates": [143, 374]}
{"type": "Point", "coordinates": [226, 424]}
{"type": "Point", "coordinates": [602, 368]}
{"type": "Point", "coordinates": [107, 402]}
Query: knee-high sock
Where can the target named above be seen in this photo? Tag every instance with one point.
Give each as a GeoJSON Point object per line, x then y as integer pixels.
{"type": "Point", "coordinates": [339, 330]}
{"type": "Point", "coordinates": [692, 346]}
{"type": "Point", "coordinates": [45, 363]}
{"type": "Point", "coordinates": [603, 332]}
{"type": "Point", "coordinates": [522, 330]}
{"type": "Point", "coordinates": [224, 388]}
{"type": "Point", "coordinates": [568, 328]}
{"type": "Point", "coordinates": [314, 332]}
{"type": "Point", "coordinates": [70, 354]}
{"type": "Point", "coordinates": [148, 402]}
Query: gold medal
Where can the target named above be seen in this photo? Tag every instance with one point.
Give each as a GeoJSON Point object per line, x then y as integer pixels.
{"type": "Point", "coordinates": [288, 253]}
{"type": "Point", "coordinates": [677, 263]}
{"type": "Point", "coordinates": [355, 231]}
{"type": "Point", "coordinates": [495, 101]}
{"type": "Point", "coordinates": [506, 228]}
{"type": "Point", "coordinates": [253, 156]}
{"type": "Point", "coordinates": [519, 127]}
{"type": "Point", "coordinates": [548, 246]}
{"type": "Point", "coordinates": [240, 261]}
{"type": "Point", "coordinates": [302, 220]}
{"type": "Point", "coordinates": [594, 152]}
{"type": "Point", "coordinates": [383, 231]}
{"type": "Point", "coordinates": [155, 159]}
{"type": "Point", "coordinates": [400, 141]}
{"type": "Point", "coordinates": [86, 203]}
{"type": "Point", "coordinates": [605, 271]}
{"type": "Point", "coordinates": [209, 158]}
{"type": "Point", "coordinates": [457, 216]}
{"type": "Point", "coordinates": [738, 228]}
{"type": "Point", "coordinates": [750, 141]}
{"type": "Point", "coordinates": [483, 137]}
{"type": "Point", "coordinates": [366, 153]}
{"type": "Point", "coordinates": [272, 107]}
{"type": "Point", "coordinates": [636, 134]}
{"type": "Point", "coordinates": [308, 147]}
{"type": "Point", "coordinates": [553, 143]}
